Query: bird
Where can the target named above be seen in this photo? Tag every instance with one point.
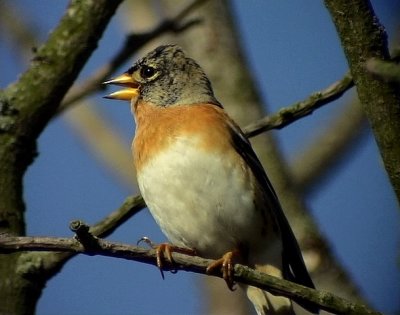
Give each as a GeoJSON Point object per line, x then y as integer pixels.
{"type": "Point", "coordinates": [201, 179]}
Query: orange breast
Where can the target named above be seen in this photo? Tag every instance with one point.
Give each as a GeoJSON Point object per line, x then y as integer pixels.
{"type": "Point", "coordinates": [157, 128]}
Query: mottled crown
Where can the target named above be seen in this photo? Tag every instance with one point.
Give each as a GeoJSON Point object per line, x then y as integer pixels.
{"type": "Point", "coordinates": [167, 77]}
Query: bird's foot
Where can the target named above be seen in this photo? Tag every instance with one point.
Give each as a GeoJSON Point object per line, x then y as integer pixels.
{"type": "Point", "coordinates": [164, 252]}
{"type": "Point", "coordinates": [227, 268]}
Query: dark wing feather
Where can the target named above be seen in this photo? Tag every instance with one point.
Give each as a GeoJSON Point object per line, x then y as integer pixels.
{"type": "Point", "coordinates": [294, 268]}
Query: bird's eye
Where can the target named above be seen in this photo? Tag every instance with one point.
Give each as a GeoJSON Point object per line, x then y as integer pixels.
{"type": "Point", "coordinates": [147, 72]}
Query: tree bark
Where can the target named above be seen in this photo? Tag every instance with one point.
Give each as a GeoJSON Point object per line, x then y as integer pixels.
{"type": "Point", "coordinates": [362, 38]}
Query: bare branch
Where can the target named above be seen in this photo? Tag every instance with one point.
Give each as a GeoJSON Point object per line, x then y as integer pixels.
{"type": "Point", "coordinates": [242, 274]}
{"type": "Point", "coordinates": [292, 113]}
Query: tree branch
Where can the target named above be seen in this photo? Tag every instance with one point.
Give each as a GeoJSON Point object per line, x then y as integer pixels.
{"type": "Point", "coordinates": [362, 38]}
{"type": "Point", "coordinates": [292, 113]}
{"type": "Point", "coordinates": [242, 274]}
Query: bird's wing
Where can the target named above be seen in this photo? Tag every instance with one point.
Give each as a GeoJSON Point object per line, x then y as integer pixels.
{"type": "Point", "coordinates": [294, 268]}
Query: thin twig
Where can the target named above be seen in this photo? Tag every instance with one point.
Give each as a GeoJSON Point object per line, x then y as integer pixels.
{"type": "Point", "coordinates": [292, 113]}
{"type": "Point", "coordinates": [242, 274]}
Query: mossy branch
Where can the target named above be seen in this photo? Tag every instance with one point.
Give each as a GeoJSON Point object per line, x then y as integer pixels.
{"type": "Point", "coordinates": [26, 107]}
{"type": "Point", "coordinates": [362, 38]}
{"type": "Point", "coordinates": [87, 244]}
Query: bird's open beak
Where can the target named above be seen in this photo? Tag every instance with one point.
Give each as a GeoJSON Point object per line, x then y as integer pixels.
{"type": "Point", "coordinates": [125, 80]}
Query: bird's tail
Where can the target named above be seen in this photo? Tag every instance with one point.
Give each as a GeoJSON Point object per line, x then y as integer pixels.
{"type": "Point", "coordinates": [266, 303]}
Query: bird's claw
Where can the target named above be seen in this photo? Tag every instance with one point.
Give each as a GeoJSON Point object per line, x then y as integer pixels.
{"type": "Point", "coordinates": [164, 252]}
{"type": "Point", "coordinates": [227, 268]}
{"type": "Point", "coordinates": [146, 240]}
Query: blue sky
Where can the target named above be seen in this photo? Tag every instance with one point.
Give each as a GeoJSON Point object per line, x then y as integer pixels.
{"type": "Point", "coordinates": [293, 50]}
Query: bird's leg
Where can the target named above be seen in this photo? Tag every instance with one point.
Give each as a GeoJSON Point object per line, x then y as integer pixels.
{"type": "Point", "coordinates": [164, 252]}
{"type": "Point", "coordinates": [227, 267]}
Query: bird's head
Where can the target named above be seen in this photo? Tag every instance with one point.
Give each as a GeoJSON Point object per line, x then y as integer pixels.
{"type": "Point", "coordinates": [164, 77]}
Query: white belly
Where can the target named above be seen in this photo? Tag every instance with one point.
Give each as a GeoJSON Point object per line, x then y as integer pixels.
{"type": "Point", "coordinates": [200, 199]}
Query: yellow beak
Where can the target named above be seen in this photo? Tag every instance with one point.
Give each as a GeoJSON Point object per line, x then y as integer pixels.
{"type": "Point", "coordinates": [125, 80]}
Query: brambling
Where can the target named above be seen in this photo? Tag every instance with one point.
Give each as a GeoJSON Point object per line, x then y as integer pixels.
{"type": "Point", "coordinates": [201, 179]}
